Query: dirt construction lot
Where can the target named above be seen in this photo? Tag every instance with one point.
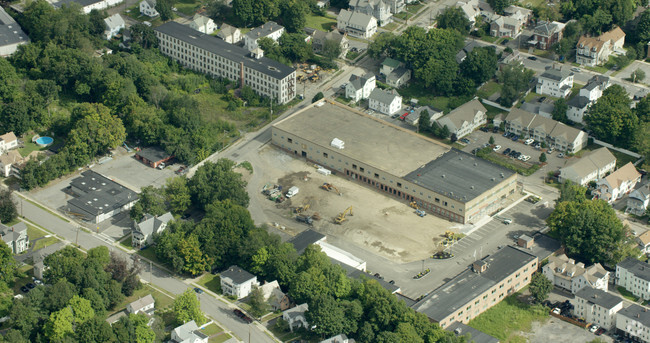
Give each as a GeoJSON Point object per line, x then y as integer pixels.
{"type": "Point", "coordinates": [380, 224]}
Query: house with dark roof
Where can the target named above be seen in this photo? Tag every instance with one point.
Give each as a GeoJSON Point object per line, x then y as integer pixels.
{"type": "Point", "coordinates": [597, 307]}
{"type": "Point", "coordinates": [555, 81]}
{"type": "Point", "coordinates": [565, 273]}
{"type": "Point", "coordinates": [230, 34]}
{"type": "Point", "coordinates": [148, 8]}
{"type": "Point", "coordinates": [546, 34]}
{"type": "Point", "coordinates": [465, 119]}
{"type": "Point", "coordinates": [487, 282]}
{"type": "Point", "coordinates": [237, 282]}
{"type": "Point", "coordinates": [399, 77]}
{"type": "Point", "coordinates": [11, 36]}
{"type": "Point", "coordinates": [188, 333]}
{"type": "Point", "coordinates": [296, 317]}
{"type": "Point", "coordinates": [414, 116]}
{"type": "Point", "coordinates": [15, 237]}
{"type": "Point", "coordinates": [359, 87]}
{"type": "Point", "coordinates": [153, 156]}
{"type": "Point", "coordinates": [634, 322]}
{"type": "Point", "coordinates": [634, 275]}
{"type": "Point", "coordinates": [356, 24]}
{"type": "Point", "coordinates": [302, 240]}
{"type": "Point", "coordinates": [388, 65]}
{"type": "Point", "coordinates": [638, 200]}
{"type": "Point", "coordinates": [142, 233]}
{"type": "Point", "coordinates": [615, 185]}
{"type": "Point", "coordinates": [459, 329]}
{"type": "Point", "coordinates": [269, 29]}
{"type": "Point", "coordinates": [590, 167]}
{"type": "Point", "coordinates": [319, 38]}
{"type": "Point", "coordinates": [385, 101]}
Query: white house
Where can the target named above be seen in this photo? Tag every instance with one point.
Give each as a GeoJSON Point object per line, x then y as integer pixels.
{"type": "Point", "coordinates": [15, 237]}
{"type": "Point", "coordinates": [113, 24]}
{"type": "Point", "coordinates": [470, 9]}
{"type": "Point", "coordinates": [565, 273]}
{"type": "Point", "coordinates": [388, 65]}
{"type": "Point", "coordinates": [399, 77]}
{"type": "Point", "coordinates": [578, 105]}
{"type": "Point", "coordinates": [590, 167]}
{"type": "Point", "coordinates": [617, 184]}
{"type": "Point", "coordinates": [189, 333]}
{"type": "Point", "coordinates": [9, 160]}
{"type": "Point", "coordinates": [644, 242]}
{"type": "Point", "coordinates": [145, 305]}
{"type": "Point", "coordinates": [237, 282]}
{"type": "Point", "coordinates": [360, 87]}
{"type": "Point", "coordinates": [296, 317]}
{"type": "Point", "coordinates": [356, 24]}
{"type": "Point", "coordinates": [340, 338]}
{"type": "Point", "coordinates": [634, 322]}
{"type": "Point", "coordinates": [465, 119]}
{"type": "Point", "coordinates": [229, 33]}
{"type": "Point", "coordinates": [593, 51]}
{"type": "Point", "coordinates": [203, 24]}
{"type": "Point", "coordinates": [597, 307]}
{"type": "Point", "coordinates": [269, 29]}
{"type": "Point", "coordinates": [8, 141]}
{"type": "Point", "coordinates": [383, 101]}
{"type": "Point", "coordinates": [555, 82]}
{"type": "Point", "coordinates": [638, 201]}
{"type": "Point", "coordinates": [379, 9]}
{"type": "Point", "coordinates": [11, 33]}
{"type": "Point", "coordinates": [142, 234]}
{"type": "Point", "coordinates": [148, 8]}
{"type": "Point", "coordinates": [273, 295]}
{"type": "Point", "coordinates": [634, 276]}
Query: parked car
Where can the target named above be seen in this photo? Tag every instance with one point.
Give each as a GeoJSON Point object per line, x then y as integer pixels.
{"type": "Point", "coordinates": [575, 69]}
{"type": "Point", "coordinates": [465, 140]}
{"type": "Point", "coordinates": [495, 129]}
{"type": "Point", "coordinates": [242, 316]}
{"type": "Point", "coordinates": [542, 99]}
{"type": "Point", "coordinates": [507, 221]}
{"type": "Point", "coordinates": [496, 148]}
{"type": "Point", "coordinates": [526, 158]}
{"type": "Point", "coordinates": [532, 58]}
{"type": "Point", "coordinates": [600, 331]}
{"type": "Point", "coordinates": [556, 310]}
{"type": "Point", "coordinates": [560, 155]}
{"type": "Point", "coordinates": [198, 290]}
{"type": "Point", "coordinates": [403, 116]}
{"type": "Point", "coordinates": [529, 141]}
{"type": "Point", "coordinates": [507, 151]}
{"type": "Point", "coordinates": [475, 150]}
{"type": "Point", "coordinates": [515, 138]}
{"type": "Point", "coordinates": [485, 129]}
{"type": "Point", "coordinates": [506, 134]}
{"type": "Point", "coordinates": [594, 328]}
{"type": "Point", "coordinates": [24, 289]}
{"type": "Point", "coordinates": [30, 285]}
{"type": "Point", "coordinates": [38, 282]}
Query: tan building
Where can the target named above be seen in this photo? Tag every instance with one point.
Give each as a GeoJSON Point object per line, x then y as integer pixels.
{"type": "Point", "coordinates": [446, 182]}
{"type": "Point", "coordinates": [592, 166]}
{"type": "Point", "coordinates": [593, 51]}
{"type": "Point", "coordinates": [482, 286]}
{"type": "Point", "coordinates": [565, 273]}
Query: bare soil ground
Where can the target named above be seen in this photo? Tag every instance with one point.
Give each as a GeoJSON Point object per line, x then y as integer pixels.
{"type": "Point", "coordinates": [379, 224]}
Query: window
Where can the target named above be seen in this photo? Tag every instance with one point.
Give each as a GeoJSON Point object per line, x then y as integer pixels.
{"type": "Point", "coordinates": [290, 140]}
{"type": "Point", "coordinates": [376, 175]}
{"type": "Point", "coordinates": [437, 200]}
{"type": "Point", "coordinates": [444, 203]}
{"type": "Point", "coordinates": [325, 154]}
{"type": "Point", "coordinates": [361, 169]}
{"type": "Point", "coordinates": [399, 185]}
{"type": "Point", "coordinates": [354, 166]}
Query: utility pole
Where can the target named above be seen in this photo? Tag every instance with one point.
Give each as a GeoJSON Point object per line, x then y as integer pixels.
{"type": "Point", "coordinates": [76, 240]}
{"type": "Point", "coordinates": [150, 270]}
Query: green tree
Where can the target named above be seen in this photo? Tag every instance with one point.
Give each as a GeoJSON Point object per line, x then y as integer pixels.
{"type": "Point", "coordinates": [382, 43]}
{"type": "Point", "coordinates": [542, 157]}
{"type": "Point", "coordinates": [82, 310]}
{"type": "Point", "coordinates": [255, 12]}
{"type": "Point", "coordinates": [217, 181]}
{"type": "Point", "coordinates": [559, 111]}
{"type": "Point", "coordinates": [59, 324]}
{"type": "Point", "coordinates": [95, 330]}
{"type": "Point", "coordinates": [642, 29]}
{"type": "Point", "coordinates": [258, 305]}
{"type": "Point", "coordinates": [151, 201]}
{"type": "Point", "coordinates": [327, 315]}
{"type": "Point", "coordinates": [424, 122]}
{"type": "Point", "coordinates": [317, 97]}
{"type": "Point", "coordinates": [540, 287]}
{"type": "Point", "coordinates": [186, 307]}
{"type": "Point", "coordinates": [294, 48]}
{"type": "Point", "coordinates": [480, 64]}
{"type": "Point", "coordinates": [293, 15]}
{"type": "Point", "coordinates": [491, 140]}
{"type": "Point", "coordinates": [499, 5]}
{"type": "Point", "coordinates": [164, 8]}
{"type": "Point", "coordinates": [638, 75]}
{"type": "Point", "coordinates": [454, 18]}
{"type": "Point", "coordinates": [331, 49]}
{"type": "Point", "coordinates": [642, 110]}
{"type": "Point", "coordinates": [8, 265]}
{"type": "Point", "coordinates": [195, 261]}
{"type": "Point", "coordinates": [611, 118]}
{"type": "Point", "coordinates": [570, 191]}
{"type": "Point", "coordinates": [514, 78]}
{"type": "Point", "coordinates": [589, 230]}
{"type": "Point", "coordinates": [178, 195]}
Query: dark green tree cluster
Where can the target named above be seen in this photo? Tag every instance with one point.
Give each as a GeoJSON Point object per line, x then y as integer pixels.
{"type": "Point", "coordinates": [499, 5]}
{"type": "Point", "coordinates": [597, 16]}
{"type": "Point", "coordinates": [612, 120]}
{"type": "Point", "coordinates": [291, 13]}
{"type": "Point", "coordinates": [291, 47]}
{"type": "Point", "coordinates": [515, 79]}
{"type": "Point", "coordinates": [8, 210]}
{"type": "Point", "coordinates": [453, 18]}
{"type": "Point", "coordinates": [73, 307]}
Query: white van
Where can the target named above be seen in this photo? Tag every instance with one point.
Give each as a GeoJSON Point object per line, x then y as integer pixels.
{"type": "Point", "coordinates": [292, 191]}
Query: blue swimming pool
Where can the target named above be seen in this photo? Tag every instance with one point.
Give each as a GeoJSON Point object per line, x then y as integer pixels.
{"type": "Point", "coordinates": [44, 141]}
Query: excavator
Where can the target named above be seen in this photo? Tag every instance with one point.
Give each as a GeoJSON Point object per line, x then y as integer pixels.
{"type": "Point", "coordinates": [328, 187]}
{"type": "Point", "coordinates": [341, 217]}
{"type": "Point", "coordinates": [301, 209]}
{"type": "Point", "coordinates": [414, 205]}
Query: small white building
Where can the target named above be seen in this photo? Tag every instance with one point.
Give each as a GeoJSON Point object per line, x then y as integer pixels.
{"type": "Point", "coordinates": [145, 305]}
{"type": "Point", "coordinates": [15, 237]}
{"type": "Point", "coordinates": [639, 200]}
{"type": "Point", "coordinates": [7, 162]}
{"type": "Point", "coordinates": [597, 307]}
{"type": "Point", "coordinates": [590, 167]}
{"type": "Point", "coordinates": [634, 275]}
{"type": "Point", "coordinates": [237, 282]}
{"type": "Point", "coordinates": [113, 24]}
{"type": "Point", "coordinates": [399, 77]}
{"type": "Point", "coordinates": [8, 141]}
{"type": "Point", "coordinates": [565, 273]}
{"type": "Point", "coordinates": [148, 8]}
{"type": "Point", "coordinates": [556, 82]}
{"type": "Point", "coordinates": [465, 119]}
{"type": "Point", "coordinates": [270, 29]}
{"type": "Point", "coordinates": [296, 317]}
{"type": "Point", "coordinates": [203, 24]}
{"type": "Point", "coordinates": [356, 24]}
{"type": "Point", "coordinates": [340, 338]}
{"type": "Point", "coordinates": [634, 322]}
{"type": "Point", "coordinates": [644, 242]}
{"type": "Point", "coordinates": [360, 87]}
{"type": "Point", "coordinates": [142, 234]}
{"type": "Point", "coordinates": [189, 333]}
{"type": "Point", "coordinates": [383, 101]}
{"type": "Point", "coordinates": [229, 33]}
{"type": "Point", "coordinates": [617, 184]}
{"type": "Point", "coordinates": [578, 105]}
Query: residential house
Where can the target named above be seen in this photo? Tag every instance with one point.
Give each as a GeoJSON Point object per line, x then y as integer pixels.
{"type": "Point", "coordinates": [269, 29]}
{"type": "Point", "coordinates": [399, 77]}
{"type": "Point", "coordinates": [296, 317]}
{"type": "Point", "coordinates": [142, 234]}
{"type": "Point", "coordinates": [273, 295]}
{"type": "Point", "coordinates": [323, 4]}
{"type": "Point", "coordinates": [546, 34]}
{"type": "Point", "coordinates": [523, 15]}
{"type": "Point", "coordinates": [638, 201]}
{"type": "Point", "coordinates": [597, 307]}
{"type": "Point", "coordinates": [148, 8]}
{"type": "Point", "coordinates": [340, 338]}
{"type": "Point", "coordinates": [460, 330]}
{"type": "Point", "coordinates": [579, 104]}
{"type": "Point", "coordinates": [505, 27]}
{"type": "Point", "coordinates": [475, 290]}
{"type": "Point", "coordinates": [7, 162]}
{"type": "Point", "coordinates": [88, 5]}
{"type": "Point", "coordinates": [634, 322]}
{"type": "Point", "coordinates": [592, 51]}
{"type": "Point", "coordinates": [565, 273]}
{"type": "Point", "coordinates": [319, 38]}
{"type": "Point", "coordinates": [470, 9]}
{"type": "Point", "coordinates": [356, 24]}
{"type": "Point", "coordinates": [553, 133]}
{"type": "Point", "coordinates": [113, 24]}
{"type": "Point", "coordinates": [360, 87]}
{"type": "Point", "coordinates": [15, 237]}
{"type": "Point", "coordinates": [555, 82]}
{"type": "Point", "coordinates": [12, 35]}
{"type": "Point", "coordinates": [634, 275]}
{"type": "Point", "coordinates": [229, 33]}
{"type": "Point", "coordinates": [414, 117]}
{"type": "Point", "coordinates": [145, 305]}
{"type": "Point", "coordinates": [590, 167]}
{"type": "Point", "coordinates": [388, 65]}
{"type": "Point", "coordinates": [618, 183]}
{"type": "Point", "coordinates": [379, 9]}
{"type": "Point", "coordinates": [509, 58]}
{"type": "Point", "coordinates": [40, 255]}
{"type": "Point", "coordinates": [544, 108]}
{"type": "Point", "coordinates": [189, 333]}
{"type": "Point", "coordinates": [203, 24]}
{"type": "Point", "coordinates": [385, 101]}
{"type": "Point", "coordinates": [644, 242]}
{"type": "Point", "coordinates": [465, 119]}
{"type": "Point", "coordinates": [237, 282]}
{"type": "Point", "coordinates": [8, 141]}
{"type": "Point", "coordinates": [462, 54]}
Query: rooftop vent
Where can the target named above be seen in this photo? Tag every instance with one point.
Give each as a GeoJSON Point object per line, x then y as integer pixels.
{"type": "Point", "coordinates": [493, 179]}
{"type": "Point", "coordinates": [475, 164]}
{"type": "Point", "coordinates": [443, 176]}
{"type": "Point", "coordinates": [502, 176]}
{"type": "Point", "coordinates": [471, 187]}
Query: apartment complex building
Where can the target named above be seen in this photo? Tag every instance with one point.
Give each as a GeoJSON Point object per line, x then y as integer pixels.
{"type": "Point", "coordinates": [590, 167]}
{"type": "Point", "coordinates": [597, 307]}
{"type": "Point", "coordinates": [215, 57]}
{"type": "Point", "coordinates": [555, 134]}
{"type": "Point", "coordinates": [634, 275]}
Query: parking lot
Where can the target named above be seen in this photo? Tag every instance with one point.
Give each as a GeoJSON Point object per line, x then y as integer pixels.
{"type": "Point", "coordinates": [556, 330]}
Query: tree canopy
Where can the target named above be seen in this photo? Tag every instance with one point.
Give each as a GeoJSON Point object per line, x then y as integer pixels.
{"type": "Point", "coordinates": [186, 308]}
{"type": "Point", "coordinates": [611, 118]}
{"type": "Point", "coordinates": [454, 18]}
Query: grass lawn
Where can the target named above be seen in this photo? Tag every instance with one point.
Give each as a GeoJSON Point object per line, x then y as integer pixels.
{"type": "Point", "coordinates": [415, 90]}
{"type": "Point", "coordinates": [271, 316]}
{"type": "Point", "coordinates": [488, 89]}
{"type": "Point", "coordinates": [284, 336]}
{"type": "Point", "coordinates": [162, 300]}
{"type": "Point", "coordinates": [508, 317]}
{"type": "Point", "coordinates": [403, 15]}
{"type": "Point", "coordinates": [533, 95]}
{"type": "Point", "coordinates": [126, 243]}
{"type": "Point", "coordinates": [319, 22]}
{"type": "Point", "coordinates": [512, 164]}
{"type": "Point", "coordinates": [34, 232]}
{"type": "Point", "coordinates": [220, 338]}
{"type": "Point", "coordinates": [29, 146]}
{"type": "Point", "coordinates": [598, 69]}
{"type": "Point", "coordinates": [211, 282]}
{"type": "Point", "coordinates": [414, 8]}
{"type": "Point", "coordinates": [627, 294]}
{"type": "Point", "coordinates": [621, 158]}
{"type": "Point", "coordinates": [391, 26]}
{"type": "Point", "coordinates": [188, 7]}
{"type": "Point", "coordinates": [489, 38]}
{"type": "Point", "coordinates": [533, 3]}
{"type": "Point", "coordinates": [493, 111]}
{"type": "Point", "coordinates": [150, 253]}
{"type": "Point", "coordinates": [45, 242]}
{"type": "Point", "coordinates": [211, 329]}
{"type": "Point", "coordinates": [351, 55]}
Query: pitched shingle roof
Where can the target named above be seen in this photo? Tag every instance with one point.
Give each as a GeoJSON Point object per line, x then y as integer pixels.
{"type": "Point", "coordinates": [625, 173]}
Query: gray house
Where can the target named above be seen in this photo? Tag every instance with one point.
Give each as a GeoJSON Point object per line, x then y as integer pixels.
{"type": "Point", "coordinates": [16, 237]}
{"type": "Point", "coordinates": [143, 231]}
{"type": "Point", "coordinates": [319, 38]}
{"type": "Point", "coordinates": [638, 201]}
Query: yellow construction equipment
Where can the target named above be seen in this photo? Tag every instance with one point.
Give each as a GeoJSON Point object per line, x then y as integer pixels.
{"type": "Point", "coordinates": [449, 234]}
{"type": "Point", "coordinates": [341, 218]}
{"type": "Point", "coordinates": [414, 205]}
{"type": "Point", "coordinates": [301, 209]}
{"type": "Point", "coordinates": [328, 187]}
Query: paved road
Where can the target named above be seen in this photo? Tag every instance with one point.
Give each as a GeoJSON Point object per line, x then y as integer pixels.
{"type": "Point", "coordinates": [218, 310]}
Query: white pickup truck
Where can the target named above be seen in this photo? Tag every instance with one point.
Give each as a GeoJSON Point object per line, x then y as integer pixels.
{"type": "Point", "coordinates": [292, 191]}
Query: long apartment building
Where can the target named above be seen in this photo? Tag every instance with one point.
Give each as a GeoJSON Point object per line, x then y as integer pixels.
{"type": "Point", "coordinates": [213, 56]}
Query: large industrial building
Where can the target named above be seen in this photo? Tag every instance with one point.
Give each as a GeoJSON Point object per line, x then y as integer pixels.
{"type": "Point", "coordinates": [97, 198]}
{"type": "Point", "coordinates": [446, 182]}
{"type": "Point", "coordinates": [213, 56]}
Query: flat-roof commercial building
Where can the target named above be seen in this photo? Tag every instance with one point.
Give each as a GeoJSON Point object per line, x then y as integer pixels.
{"type": "Point", "coordinates": [210, 55]}
{"type": "Point", "coordinates": [447, 182]}
{"type": "Point", "coordinates": [11, 35]}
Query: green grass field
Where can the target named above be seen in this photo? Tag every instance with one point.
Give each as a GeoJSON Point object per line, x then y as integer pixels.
{"type": "Point", "coordinates": [162, 300]}
{"type": "Point", "coordinates": [488, 89]}
{"type": "Point", "coordinates": [29, 146]}
{"type": "Point", "coordinates": [45, 242]}
{"type": "Point", "coordinates": [211, 329]}
{"type": "Point", "coordinates": [34, 232]}
{"type": "Point", "coordinates": [211, 282]}
{"type": "Point", "coordinates": [320, 23]}
{"type": "Point", "coordinates": [414, 8]}
{"type": "Point", "coordinates": [508, 317]}
{"type": "Point", "coordinates": [220, 339]}
{"type": "Point", "coordinates": [188, 7]}
{"type": "Point", "coordinates": [622, 159]}
{"type": "Point", "coordinates": [627, 294]}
